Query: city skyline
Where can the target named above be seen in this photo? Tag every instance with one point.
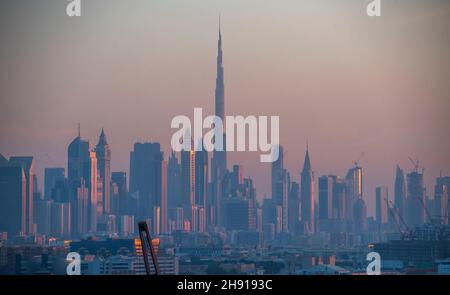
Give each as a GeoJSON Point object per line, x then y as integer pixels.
{"type": "Point", "coordinates": [332, 150]}
{"type": "Point", "coordinates": [352, 177]}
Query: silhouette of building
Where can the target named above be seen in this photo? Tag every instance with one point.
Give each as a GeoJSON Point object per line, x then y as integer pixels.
{"type": "Point", "coordinates": [280, 187]}
{"type": "Point", "coordinates": [146, 178]}
{"type": "Point", "coordinates": [307, 196]}
{"type": "Point", "coordinates": [119, 193]}
{"type": "Point", "coordinates": [326, 189]}
{"type": "Point", "coordinates": [381, 205]}
{"type": "Point", "coordinates": [173, 182]}
{"type": "Point", "coordinates": [13, 198]}
{"type": "Point", "coordinates": [219, 158]}
{"type": "Point", "coordinates": [441, 199]}
{"type": "Point", "coordinates": [293, 207]}
{"type": "Point", "coordinates": [416, 198]}
{"type": "Point", "coordinates": [400, 192]}
{"type": "Point", "coordinates": [103, 153]}
{"type": "Point", "coordinates": [27, 165]}
{"type": "Point", "coordinates": [51, 176]}
{"type": "Point", "coordinates": [83, 188]}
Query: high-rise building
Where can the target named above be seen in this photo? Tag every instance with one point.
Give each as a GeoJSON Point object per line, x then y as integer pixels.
{"type": "Point", "coordinates": [173, 182]}
{"type": "Point", "coordinates": [82, 176]}
{"type": "Point", "coordinates": [307, 196]}
{"type": "Point", "coordinates": [13, 198]}
{"type": "Point", "coordinates": [293, 207]}
{"type": "Point", "coordinates": [326, 183]}
{"type": "Point", "coordinates": [360, 216]}
{"type": "Point", "coordinates": [416, 198]}
{"type": "Point", "coordinates": [60, 219]}
{"type": "Point", "coordinates": [163, 203]}
{"type": "Point", "coordinates": [237, 214]}
{"type": "Point", "coordinates": [51, 176]}
{"type": "Point", "coordinates": [340, 205]}
{"type": "Point", "coordinates": [354, 179]}
{"type": "Point", "coordinates": [400, 192]}
{"type": "Point", "coordinates": [219, 158]}
{"type": "Point", "coordinates": [27, 165]}
{"type": "Point", "coordinates": [103, 153]}
{"type": "Point", "coordinates": [146, 177]}
{"type": "Point", "coordinates": [201, 178]}
{"type": "Point", "coordinates": [42, 216]}
{"type": "Point", "coordinates": [326, 189]}
{"type": "Point", "coordinates": [441, 199]}
{"type": "Point", "coordinates": [381, 205]}
{"type": "Point", "coordinates": [187, 182]}
{"type": "Point", "coordinates": [280, 187]}
{"type": "Point", "coordinates": [119, 193]}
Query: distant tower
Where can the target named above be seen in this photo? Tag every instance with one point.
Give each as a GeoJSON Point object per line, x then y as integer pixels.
{"type": "Point", "coordinates": [27, 164]}
{"type": "Point", "coordinates": [381, 205]}
{"type": "Point", "coordinates": [280, 187]}
{"type": "Point", "coordinates": [307, 196]}
{"type": "Point", "coordinates": [104, 168]}
{"type": "Point", "coordinates": [354, 179]}
{"type": "Point", "coordinates": [219, 159]}
{"type": "Point", "coordinates": [82, 178]}
{"type": "Point", "coordinates": [416, 198]}
{"type": "Point", "coordinates": [146, 178]}
{"type": "Point", "coordinates": [400, 192]}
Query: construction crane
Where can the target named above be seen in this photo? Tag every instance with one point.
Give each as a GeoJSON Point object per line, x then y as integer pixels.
{"type": "Point", "coordinates": [402, 232]}
{"type": "Point", "coordinates": [146, 241]}
{"type": "Point", "coordinates": [358, 159]}
{"type": "Point", "coordinates": [415, 164]}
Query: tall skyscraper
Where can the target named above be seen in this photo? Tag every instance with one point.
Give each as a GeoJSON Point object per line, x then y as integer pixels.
{"type": "Point", "coordinates": [51, 176]}
{"type": "Point", "coordinates": [307, 196]}
{"type": "Point", "coordinates": [381, 205]}
{"type": "Point", "coordinates": [119, 193]}
{"type": "Point", "coordinates": [293, 207]}
{"type": "Point", "coordinates": [354, 179]}
{"type": "Point", "coordinates": [146, 177]}
{"type": "Point", "coordinates": [201, 178]}
{"type": "Point", "coordinates": [360, 216]}
{"type": "Point", "coordinates": [326, 183]}
{"type": "Point", "coordinates": [163, 204]}
{"type": "Point", "coordinates": [104, 168]}
{"type": "Point", "coordinates": [173, 182]}
{"type": "Point", "coordinates": [416, 198]}
{"type": "Point", "coordinates": [400, 192]}
{"type": "Point", "coordinates": [187, 178]}
{"type": "Point", "coordinates": [326, 188]}
{"type": "Point", "coordinates": [441, 199]}
{"type": "Point", "coordinates": [13, 198]}
{"type": "Point", "coordinates": [219, 159]}
{"type": "Point", "coordinates": [280, 187]}
{"type": "Point", "coordinates": [27, 165]}
{"type": "Point", "coordinates": [82, 176]}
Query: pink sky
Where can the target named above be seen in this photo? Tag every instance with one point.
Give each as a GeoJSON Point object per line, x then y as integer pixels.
{"type": "Point", "coordinates": [347, 82]}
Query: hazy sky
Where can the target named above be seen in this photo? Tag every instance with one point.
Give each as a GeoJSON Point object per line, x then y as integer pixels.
{"type": "Point", "coordinates": [347, 82]}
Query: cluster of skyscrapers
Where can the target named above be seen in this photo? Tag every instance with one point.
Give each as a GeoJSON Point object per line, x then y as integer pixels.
{"type": "Point", "coordinates": [192, 192]}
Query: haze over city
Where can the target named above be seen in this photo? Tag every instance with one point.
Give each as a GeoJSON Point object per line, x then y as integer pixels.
{"type": "Point", "coordinates": [342, 81]}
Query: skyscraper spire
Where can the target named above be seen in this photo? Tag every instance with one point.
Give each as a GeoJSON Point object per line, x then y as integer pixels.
{"type": "Point", "coordinates": [219, 159]}
{"type": "Point", "coordinates": [220, 93]}
{"type": "Point", "coordinates": [307, 196]}
{"type": "Point", "coordinates": [307, 163]}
